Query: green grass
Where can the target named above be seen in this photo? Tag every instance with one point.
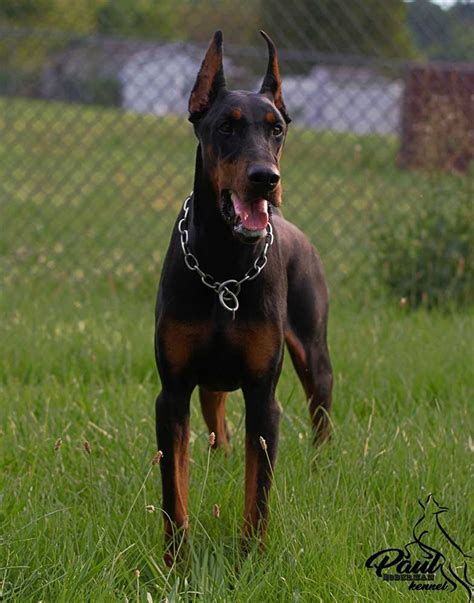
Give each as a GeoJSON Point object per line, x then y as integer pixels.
{"type": "Point", "coordinates": [91, 193]}
{"type": "Point", "coordinates": [77, 364]}
{"type": "Point", "coordinates": [75, 526]}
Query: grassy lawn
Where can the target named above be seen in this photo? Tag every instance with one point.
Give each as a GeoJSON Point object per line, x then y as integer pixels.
{"type": "Point", "coordinates": [75, 526]}
{"type": "Point", "coordinates": [87, 193]}
{"type": "Point", "coordinates": [88, 215]}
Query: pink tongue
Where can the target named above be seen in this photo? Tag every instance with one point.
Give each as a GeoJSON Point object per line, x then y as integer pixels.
{"type": "Point", "coordinates": [254, 216]}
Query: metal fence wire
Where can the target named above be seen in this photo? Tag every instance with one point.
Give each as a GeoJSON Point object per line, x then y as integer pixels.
{"type": "Point", "coordinates": [97, 155]}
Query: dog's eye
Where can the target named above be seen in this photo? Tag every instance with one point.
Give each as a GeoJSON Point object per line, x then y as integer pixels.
{"type": "Point", "coordinates": [226, 127]}
{"type": "Point", "coordinates": [277, 130]}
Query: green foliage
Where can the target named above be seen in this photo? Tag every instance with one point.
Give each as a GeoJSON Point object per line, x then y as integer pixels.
{"type": "Point", "coordinates": [392, 28]}
{"type": "Point", "coordinates": [63, 15]}
{"type": "Point", "coordinates": [240, 23]}
{"type": "Point", "coordinates": [149, 19]}
{"type": "Point", "coordinates": [182, 19]}
{"type": "Point", "coordinates": [424, 248]}
{"type": "Point", "coordinates": [443, 34]}
{"type": "Point", "coordinates": [24, 54]}
{"type": "Point", "coordinates": [93, 91]}
{"type": "Point", "coordinates": [366, 27]}
{"type": "Point", "coordinates": [138, 18]}
{"type": "Point", "coordinates": [22, 10]}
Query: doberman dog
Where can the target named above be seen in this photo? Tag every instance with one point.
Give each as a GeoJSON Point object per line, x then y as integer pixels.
{"type": "Point", "coordinates": [237, 283]}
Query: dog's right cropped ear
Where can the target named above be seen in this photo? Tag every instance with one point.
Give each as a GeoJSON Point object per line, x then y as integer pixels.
{"type": "Point", "coordinates": [209, 81]}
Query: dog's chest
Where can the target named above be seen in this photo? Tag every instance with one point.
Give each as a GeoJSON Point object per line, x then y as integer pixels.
{"type": "Point", "coordinates": [221, 356]}
{"type": "Point", "coordinates": [239, 350]}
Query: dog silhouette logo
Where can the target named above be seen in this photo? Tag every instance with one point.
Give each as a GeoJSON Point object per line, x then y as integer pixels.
{"type": "Point", "coordinates": [433, 560]}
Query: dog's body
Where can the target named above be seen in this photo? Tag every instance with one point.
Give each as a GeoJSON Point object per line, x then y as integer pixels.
{"type": "Point", "coordinates": [201, 343]}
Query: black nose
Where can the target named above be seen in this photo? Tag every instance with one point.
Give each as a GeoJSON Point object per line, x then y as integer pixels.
{"type": "Point", "coordinates": [264, 177]}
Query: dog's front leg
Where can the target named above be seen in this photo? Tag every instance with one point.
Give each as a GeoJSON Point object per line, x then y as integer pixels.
{"type": "Point", "coordinates": [172, 430]}
{"type": "Point", "coordinates": [261, 440]}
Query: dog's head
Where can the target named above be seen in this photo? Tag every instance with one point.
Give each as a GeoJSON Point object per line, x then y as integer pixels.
{"type": "Point", "coordinates": [241, 136]}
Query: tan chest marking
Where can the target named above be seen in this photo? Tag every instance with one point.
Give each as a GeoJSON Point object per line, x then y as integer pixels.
{"type": "Point", "coordinates": [258, 343]}
{"type": "Point", "coordinates": [181, 340]}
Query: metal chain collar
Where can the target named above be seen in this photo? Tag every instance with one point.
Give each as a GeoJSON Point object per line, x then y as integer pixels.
{"type": "Point", "coordinates": [228, 290]}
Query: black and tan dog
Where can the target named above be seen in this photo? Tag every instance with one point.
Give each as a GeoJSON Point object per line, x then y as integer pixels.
{"type": "Point", "coordinates": [238, 282]}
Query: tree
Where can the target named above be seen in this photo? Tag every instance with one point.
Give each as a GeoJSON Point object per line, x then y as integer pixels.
{"type": "Point", "coordinates": [139, 18]}
{"type": "Point", "coordinates": [442, 34]}
{"type": "Point", "coordinates": [430, 27]}
{"type": "Point", "coordinates": [18, 11]}
{"type": "Point", "coordinates": [362, 27]}
{"type": "Point", "coordinates": [240, 23]}
{"type": "Point", "coordinates": [462, 26]}
{"type": "Point", "coordinates": [79, 16]}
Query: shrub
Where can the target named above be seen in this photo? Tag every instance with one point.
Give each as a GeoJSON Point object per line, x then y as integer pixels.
{"type": "Point", "coordinates": [91, 91]}
{"type": "Point", "coordinates": [423, 247]}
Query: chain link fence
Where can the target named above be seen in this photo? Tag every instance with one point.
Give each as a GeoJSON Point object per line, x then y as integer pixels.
{"type": "Point", "coordinates": [97, 156]}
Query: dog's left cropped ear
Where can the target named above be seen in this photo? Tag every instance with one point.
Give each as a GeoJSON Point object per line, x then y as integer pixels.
{"type": "Point", "coordinates": [272, 81]}
{"type": "Point", "coordinates": [209, 81]}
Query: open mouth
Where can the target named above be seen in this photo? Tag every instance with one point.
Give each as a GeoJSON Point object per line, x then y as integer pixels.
{"type": "Point", "coordinates": [249, 219]}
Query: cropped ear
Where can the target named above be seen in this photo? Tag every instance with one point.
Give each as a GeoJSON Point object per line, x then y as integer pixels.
{"type": "Point", "coordinates": [272, 81]}
{"type": "Point", "coordinates": [209, 81]}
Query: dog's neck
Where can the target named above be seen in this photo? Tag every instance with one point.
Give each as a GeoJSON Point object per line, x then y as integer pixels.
{"type": "Point", "coordinates": [205, 215]}
{"type": "Point", "coordinates": [211, 239]}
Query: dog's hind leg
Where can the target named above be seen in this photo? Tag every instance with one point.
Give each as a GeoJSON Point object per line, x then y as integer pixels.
{"type": "Point", "coordinates": [305, 337]}
{"type": "Point", "coordinates": [313, 366]}
{"type": "Point", "coordinates": [213, 411]}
